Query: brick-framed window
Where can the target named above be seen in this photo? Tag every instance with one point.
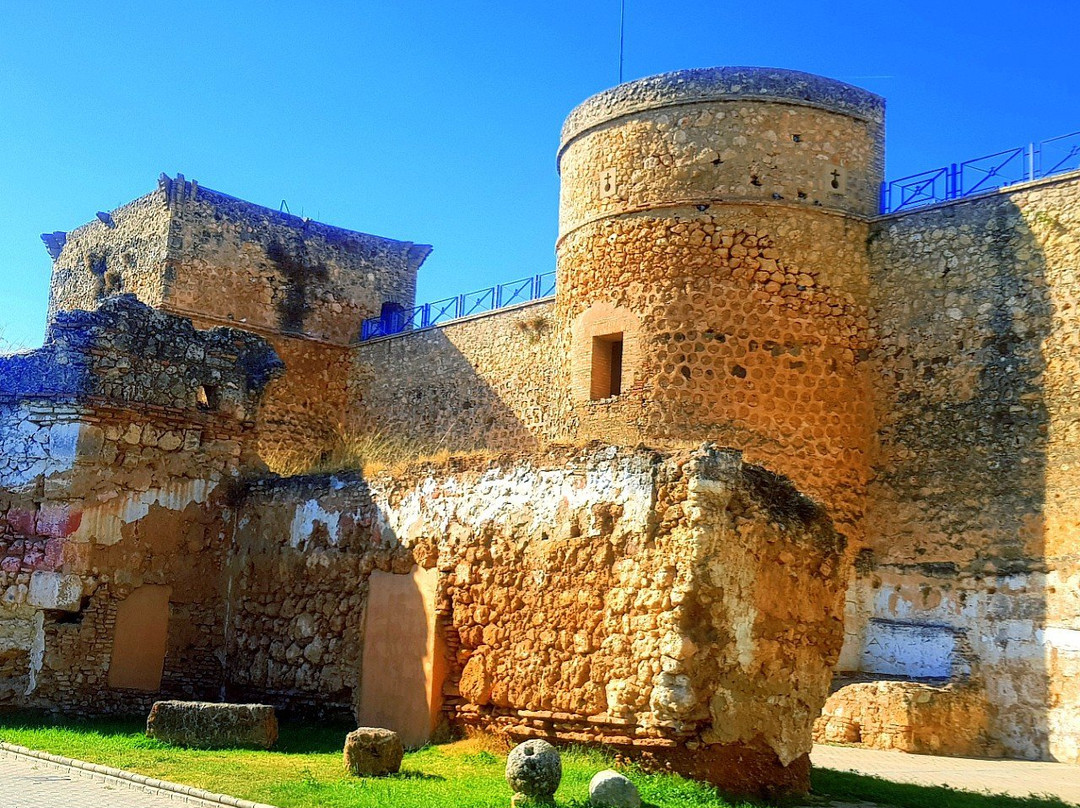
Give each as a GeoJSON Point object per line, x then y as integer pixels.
{"type": "Point", "coordinates": [607, 366]}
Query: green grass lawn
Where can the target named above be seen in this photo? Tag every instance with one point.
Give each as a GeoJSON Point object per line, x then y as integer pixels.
{"type": "Point", "coordinates": [305, 770]}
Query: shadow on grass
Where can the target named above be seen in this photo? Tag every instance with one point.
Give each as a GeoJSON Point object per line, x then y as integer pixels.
{"type": "Point", "coordinates": [412, 774]}
{"type": "Point", "coordinates": [838, 785]}
{"type": "Point", "coordinates": [309, 739]}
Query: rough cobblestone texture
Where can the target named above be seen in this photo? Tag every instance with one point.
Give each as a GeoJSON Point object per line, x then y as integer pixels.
{"type": "Point", "coordinates": [204, 725]}
{"type": "Point", "coordinates": [603, 595]}
{"type": "Point", "coordinates": [115, 489]}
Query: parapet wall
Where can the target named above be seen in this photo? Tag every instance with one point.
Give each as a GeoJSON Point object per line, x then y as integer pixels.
{"type": "Point", "coordinates": [489, 382]}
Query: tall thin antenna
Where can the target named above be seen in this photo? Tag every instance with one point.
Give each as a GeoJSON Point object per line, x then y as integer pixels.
{"type": "Point", "coordinates": [622, 34]}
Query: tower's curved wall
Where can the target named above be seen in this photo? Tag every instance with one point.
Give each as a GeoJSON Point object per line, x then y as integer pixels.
{"type": "Point", "coordinates": [716, 222]}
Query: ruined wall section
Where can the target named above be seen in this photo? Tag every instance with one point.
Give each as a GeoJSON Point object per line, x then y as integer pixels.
{"type": "Point", "coordinates": [272, 271]}
{"type": "Point", "coordinates": [973, 522]}
{"type": "Point", "coordinates": [122, 251]}
{"type": "Point", "coordinates": [303, 285]}
{"type": "Point", "coordinates": [120, 492]}
{"type": "Point", "coordinates": [489, 382]}
{"type": "Point", "coordinates": [684, 608]}
{"type": "Point", "coordinates": [716, 219]}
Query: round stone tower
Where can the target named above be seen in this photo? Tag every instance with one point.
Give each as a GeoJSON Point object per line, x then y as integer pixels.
{"type": "Point", "coordinates": [712, 269]}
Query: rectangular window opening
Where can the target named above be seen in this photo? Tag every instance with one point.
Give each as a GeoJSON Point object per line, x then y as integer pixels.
{"type": "Point", "coordinates": [607, 362]}
{"type": "Point", "coordinates": [206, 398]}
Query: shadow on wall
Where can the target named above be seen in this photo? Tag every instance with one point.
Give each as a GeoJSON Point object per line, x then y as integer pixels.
{"type": "Point", "coordinates": [489, 383]}
{"type": "Point", "coordinates": [971, 506]}
{"type": "Point", "coordinates": [301, 572]}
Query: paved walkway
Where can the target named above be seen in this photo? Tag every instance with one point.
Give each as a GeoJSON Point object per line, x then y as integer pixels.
{"type": "Point", "coordinates": [1020, 778]}
{"type": "Point", "coordinates": [27, 783]}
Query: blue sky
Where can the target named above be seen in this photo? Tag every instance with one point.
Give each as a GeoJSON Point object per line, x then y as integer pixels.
{"type": "Point", "coordinates": [438, 122]}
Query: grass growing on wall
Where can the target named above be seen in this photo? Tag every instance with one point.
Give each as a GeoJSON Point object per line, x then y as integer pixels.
{"type": "Point", "coordinates": [370, 453]}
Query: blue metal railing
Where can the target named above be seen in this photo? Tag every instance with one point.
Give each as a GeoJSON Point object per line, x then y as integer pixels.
{"type": "Point", "coordinates": [1044, 159]}
{"type": "Point", "coordinates": [437, 312]}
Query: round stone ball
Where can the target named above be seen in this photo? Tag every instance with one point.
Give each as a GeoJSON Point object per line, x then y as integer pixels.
{"type": "Point", "coordinates": [534, 769]}
{"type": "Point", "coordinates": [609, 789]}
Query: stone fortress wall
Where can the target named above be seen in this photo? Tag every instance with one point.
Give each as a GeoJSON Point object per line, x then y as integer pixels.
{"type": "Point", "coordinates": [489, 382]}
{"type": "Point", "coordinates": [918, 367]}
{"type": "Point", "coordinates": [650, 601]}
{"type": "Point", "coordinates": [118, 436]}
{"type": "Point", "coordinates": [699, 207]}
{"type": "Point", "coordinates": [303, 285]}
{"type": "Point", "coordinates": [722, 276]}
{"type": "Point", "coordinates": [971, 570]}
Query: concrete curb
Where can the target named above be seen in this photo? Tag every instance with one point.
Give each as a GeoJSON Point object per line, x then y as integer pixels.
{"type": "Point", "coordinates": [131, 779]}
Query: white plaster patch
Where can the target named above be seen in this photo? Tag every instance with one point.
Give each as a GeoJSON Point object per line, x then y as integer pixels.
{"type": "Point", "coordinates": [103, 524]}
{"type": "Point", "coordinates": [1063, 639]}
{"type": "Point", "coordinates": [528, 497]}
{"type": "Point", "coordinates": [53, 590]}
{"type": "Point", "coordinates": [909, 649]}
{"type": "Point", "coordinates": [37, 653]}
{"type": "Point", "coordinates": [304, 520]}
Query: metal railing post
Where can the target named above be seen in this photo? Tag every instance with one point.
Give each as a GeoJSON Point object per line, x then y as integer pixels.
{"type": "Point", "coordinates": [952, 186]}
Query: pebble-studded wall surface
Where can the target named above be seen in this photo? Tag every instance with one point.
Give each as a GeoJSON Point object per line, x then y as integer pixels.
{"type": "Point", "coordinates": [725, 210]}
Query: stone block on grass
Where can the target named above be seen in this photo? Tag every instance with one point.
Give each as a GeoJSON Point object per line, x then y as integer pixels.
{"type": "Point", "coordinates": [371, 751]}
{"type": "Point", "coordinates": [207, 725]}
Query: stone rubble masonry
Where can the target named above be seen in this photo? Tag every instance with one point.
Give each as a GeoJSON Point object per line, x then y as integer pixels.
{"type": "Point", "coordinates": [110, 474]}
{"type": "Point", "coordinates": [971, 569]}
{"type": "Point", "coordinates": [744, 270]}
{"type": "Point", "coordinates": [913, 373]}
{"type": "Point", "coordinates": [906, 716]}
{"type": "Point", "coordinates": [219, 260]}
{"type": "Point", "coordinates": [205, 725]}
{"type": "Point", "coordinates": [489, 382]}
{"type": "Point", "coordinates": [685, 608]}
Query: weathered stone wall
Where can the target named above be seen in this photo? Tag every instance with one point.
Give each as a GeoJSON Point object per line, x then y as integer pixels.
{"type": "Point", "coordinates": [276, 272]}
{"type": "Point", "coordinates": [492, 381]}
{"type": "Point", "coordinates": [303, 285]}
{"type": "Point", "coordinates": [905, 716]}
{"type": "Point", "coordinates": [114, 485]}
{"type": "Point", "coordinates": [704, 205]}
{"type": "Point", "coordinates": [124, 251]}
{"type": "Point", "coordinates": [686, 608]}
{"type": "Point", "coordinates": [971, 571]}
